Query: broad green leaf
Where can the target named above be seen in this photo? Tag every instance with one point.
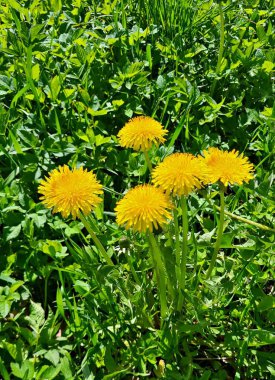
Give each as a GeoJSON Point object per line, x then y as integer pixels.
{"type": "Point", "coordinates": [50, 373]}
{"type": "Point", "coordinates": [259, 338]}
{"type": "Point", "coordinates": [14, 232]}
{"type": "Point", "coordinates": [267, 66]}
{"type": "Point", "coordinates": [5, 306]}
{"type": "Point", "coordinates": [82, 287]}
{"type": "Point", "coordinates": [54, 87]}
{"type": "Point", "coordinates": [66, 368]}
{"type": "Point", "coordinates": [56, 5]}
{"type": "Point", "coordinates": [267, 302]}
{"type": "Point", "coordinates": [53, 356]}
{"type": "Point", "coordinates": [36, 72]}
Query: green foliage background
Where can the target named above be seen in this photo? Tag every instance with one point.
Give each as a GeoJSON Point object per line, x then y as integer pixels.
{"type": "Point", "coordinates": [71, 74]}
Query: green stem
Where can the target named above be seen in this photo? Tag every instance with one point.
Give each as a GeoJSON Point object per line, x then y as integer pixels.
{"type": "Point", "coordinates": [247, 221]}
{"type": "Point", "coordinates": [148, 162]}
{"type": "Point", "coordinates": [46, 292]}
{"type": "Point", "coordinates": [95, 239]}
{"type": "Point", "coordinates": [219, 236]}
{"type": "Point", "coordinates": [177, 245]}
{"type": "Point", "coordinates": [160, 273]}
{"type": "Point", "coordinates": [242, 219]}
{"type": "Point", "coordinates": [184, 250]}
{"type": "Point", "coordinates": [189, 357]}
{"type": "Point", "coordinates": [134, 273]}
{"type": "Point", "coordinates": [218, 67]}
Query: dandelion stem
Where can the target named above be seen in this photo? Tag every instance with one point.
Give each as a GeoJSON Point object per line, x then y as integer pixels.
{"type": "Point", "coordinates": [95, 239]}
{"type": "Point", "coordinates": [219, 236]}
{"type": "Point", "coordinates": [160, 273]}
{"type": "Point", "coordinates": [184, 250]}
{"type": "Point", "coordinates": [177, 245]}
{"type": "Point", "coordinates": [148, 162]}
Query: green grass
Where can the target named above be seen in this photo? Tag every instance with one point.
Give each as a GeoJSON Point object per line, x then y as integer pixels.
{"type": "Point", "coordinates": [71, 74]}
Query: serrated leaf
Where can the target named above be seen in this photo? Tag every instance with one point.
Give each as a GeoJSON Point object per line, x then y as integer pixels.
{"type": "Point", "coordinates": [37, 315]}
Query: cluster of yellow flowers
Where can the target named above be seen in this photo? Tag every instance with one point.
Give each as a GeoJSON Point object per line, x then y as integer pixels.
{"type": "Point", "coordinates": [145, 206]}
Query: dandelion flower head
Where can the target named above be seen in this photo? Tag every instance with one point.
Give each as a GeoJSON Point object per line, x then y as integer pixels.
{"type": "Point", "coordinates": [227, 167]}
{"type": "Point", "coordinates": [70, 191]}
{"type": "Point", "coordinates": [141, 132]}
{"type": "Point", "coordinates": [143, 208]}
{"type": "Point", "coordinates": [180, 173]}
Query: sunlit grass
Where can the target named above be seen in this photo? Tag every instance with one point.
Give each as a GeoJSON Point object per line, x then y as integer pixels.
{"type": "Point", "coordinates": [163, 288]}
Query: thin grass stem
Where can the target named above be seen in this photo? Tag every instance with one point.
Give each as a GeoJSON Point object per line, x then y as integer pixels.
{"type": "Point", "coordinates": [219, 236]}
{"type": "Point", "coordinates": [95, 239]}
{"type": "Point", "coordinates": [221, 48]}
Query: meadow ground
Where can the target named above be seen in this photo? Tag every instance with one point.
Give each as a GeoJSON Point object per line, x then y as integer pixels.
{"type": "Point", "coordinates": [174, 285]}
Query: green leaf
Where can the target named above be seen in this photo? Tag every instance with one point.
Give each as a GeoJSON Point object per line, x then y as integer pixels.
{"type": "Point", "coordinates": [53, 357]}
{"type": "Point", "coordinates": [56, 5]}
{"type": "Point", "coordinates": [14, 232]}
{"type": "Point", "coordinates": [15, 5]}
{"type": "Point", "coordinates": [82, 287]}
{"type": "Point", "coordinates": [11, 348]}
{"type": "Point", "coordinates": [267, 66]}
{"type": "Point", "coordinates": [37, 315]}
{"type": "Point", "coordinates": [3, 371]}
{"type": "Point", "coordinates": [267, 302]}
{"type": "Point", "coordinates": [50, 373]}
{"type": "Point", "coordinates": [59, 302]}
{"type": "Point", "coordinates": [36, 72]}
{"type": "Point", "coordinates": [259, 338]}
{"type": "Point", "coordinates": [15, 286]}
{"type": "Point", "coordinates": [54, 87]}
{"type": "Point", "coordinates": [65, 368]}
{"type": "Point", "coordinates": [15, 143]}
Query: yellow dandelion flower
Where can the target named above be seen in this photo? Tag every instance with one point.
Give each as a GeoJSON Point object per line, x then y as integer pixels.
{"type": "Point", "coordinates": [141, 132]}
{"type": "Point", "coordinates": [180, 173]}
{"type": "Point", "coordinates": [70, 191]}
{"type": "Point", "coordinates": [227, 167]}
{"type": "Point", "coordinates": [143, 208]}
